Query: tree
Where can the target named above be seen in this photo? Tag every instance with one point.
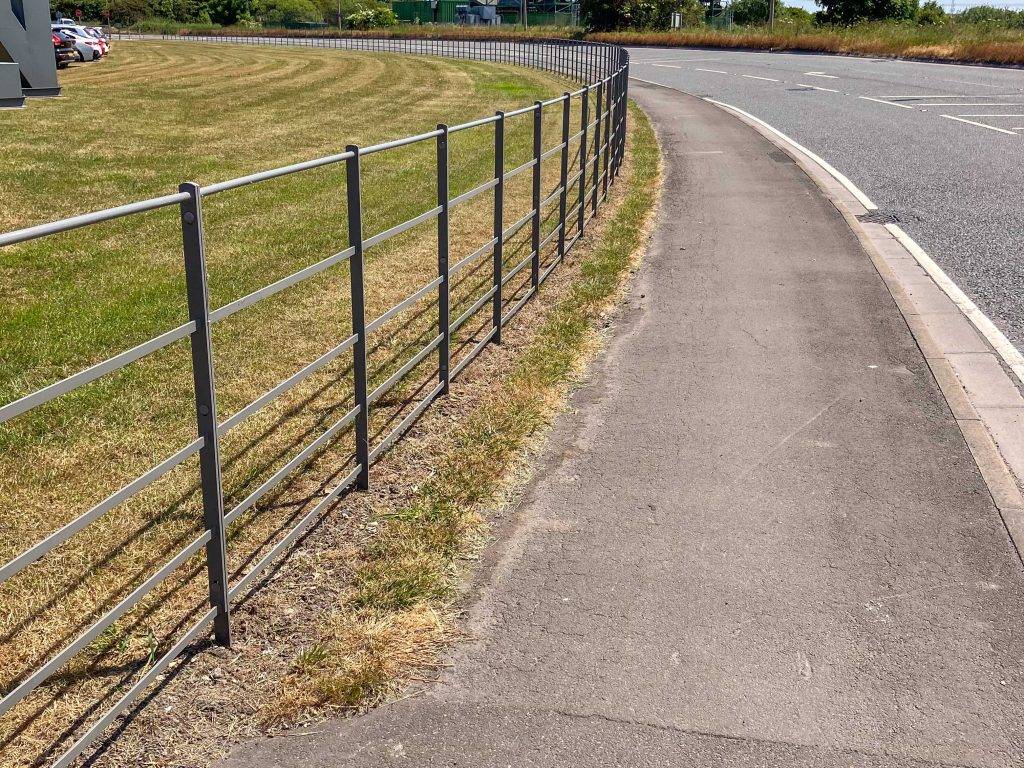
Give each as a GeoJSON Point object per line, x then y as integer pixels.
{"type": "Point", "coordinates": [854, 11]}
{"type": "Point", "coordinates": [931, 14]}
{"type": "Point", "coordinates": [608, 15]}
{"type": "Point", "coordinates": [751, 12]}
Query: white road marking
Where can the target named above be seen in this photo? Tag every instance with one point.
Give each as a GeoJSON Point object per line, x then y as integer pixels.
{"type": "Point", "coordinates": [755, 77]}
{"type": "Point", "coordinates": [822, 74]}
{"type": "Point", "coordinates": [668, 61]}
{"type": "Point", "coordinates": [668, 66]}
{"type": "Point", "coordinates": [883, 101]}
{"type": "Point", "coordinates": [991, 115]}
{"type": "Point", "coordinates": [957, 96]}
{"type": "Point", "coordinates": [980, 125]}
{"type": "Point", "coordinates": [708, 152]}
{"type": "Point", "coordinates": [861, 197]}
{"type": "Point", "coordinates": [1002, 345]}
{"type": "Point", "coordinates": [817, 88]}
{"type": "Point", "coordinates": [947, 104]}
{"type": "Point", "coordinates": [716, 71]}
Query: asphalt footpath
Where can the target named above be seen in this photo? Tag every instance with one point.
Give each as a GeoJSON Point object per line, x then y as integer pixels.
{"type": "Point", "coordinates": [757, 538]}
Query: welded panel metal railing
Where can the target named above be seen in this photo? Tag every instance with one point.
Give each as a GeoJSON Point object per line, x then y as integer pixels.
{"type": "Point", "coordinates": [601, 138]}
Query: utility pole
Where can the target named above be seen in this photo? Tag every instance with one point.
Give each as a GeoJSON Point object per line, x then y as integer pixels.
{"type": "Point", "coordinates": [523, 14]}
{"type": "Point", "coordinates": [771, 14]}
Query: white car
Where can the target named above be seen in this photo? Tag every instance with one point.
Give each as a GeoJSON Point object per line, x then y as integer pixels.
{"type": "Point", "coordinates": [87, 46]}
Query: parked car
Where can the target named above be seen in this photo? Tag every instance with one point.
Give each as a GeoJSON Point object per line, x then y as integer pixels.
{"type": "Point", "coordinates": [98, 34]}
{"type": "Point", "coordinates": [87, 46]}
{"type": "Point", "coordinates": [63, 49]}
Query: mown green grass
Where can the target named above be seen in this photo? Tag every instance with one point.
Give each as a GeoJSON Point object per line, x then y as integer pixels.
{"type": "Point", "coordinates": [166, 113]}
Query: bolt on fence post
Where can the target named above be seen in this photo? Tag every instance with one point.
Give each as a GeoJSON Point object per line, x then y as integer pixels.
{"type": "Point", "coordinates": [353, 195]}
{"type": "Point", "coordinates": [584, 119]}
{"type": "Point", "coordinates": [206, 409]}
{"type": "Point", "coordinates": [596, 175]}
{"type": "Point", "coordinates": [563, 174]}
{"type": "Point", "coordinates": [538, 132]}
{"type": "Point", "coordinates": [499, 222]}
{"type": "Point", "coordinates": [443, 318]}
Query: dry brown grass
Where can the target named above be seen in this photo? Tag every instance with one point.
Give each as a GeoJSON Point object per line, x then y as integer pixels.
{"type": "Point", "coordinates": [78, 299]}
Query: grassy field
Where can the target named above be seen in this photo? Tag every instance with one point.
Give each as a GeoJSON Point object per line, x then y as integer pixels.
{"type": "Point", "coordinates": [135, 125]}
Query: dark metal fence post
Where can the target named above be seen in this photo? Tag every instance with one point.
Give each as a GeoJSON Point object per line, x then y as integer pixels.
{"type": "Point", "coordinates": [581, 213]}
{"type": "Point", "coordinates": [355, 265]}
{"type": "Point", "coordinates": [596, 175]}
{"type": "Point", "coordinates": [499, 222]}
{"type": "Point", "coordinates": [443, 318]}
{"type": "Point", "coordinates": [563, 175]}
{"type": "Point", "coordinates": [538, 132]}
{"type": "Point", "coordinates": [206, 409]}
{"type": "Point", "coordinates": [607, 138]}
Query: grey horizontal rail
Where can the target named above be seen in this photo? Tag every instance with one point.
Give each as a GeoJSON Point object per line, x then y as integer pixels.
{"type": "Point", "coordinates": [553, 151]}
{"type": "Point", "coordinates": [274, 173]}
{"type": "Point", "coordinates": [519, 169]}
{"type": "Point", "coordinates": [473, 309]}
{"type": "Point", "coordinates": [552, 197]}
{"type": "Point", "coordinates": [68, 530]}
{"type": "Point", "coordinates": [84, 220]}
{"type": "Point", "coordinates": [407, 422]}
{"type": "Point", "coordinates": [521, 111]}
{"type": "Point", "coordinates": [399, 142]}
{"type": "Point", "coordinates": [473, 124]}
{"type": "Point", "coordinates": [516, 269]}
{"type": "Point", "coordinates": [465, 196]}
{"type": "Point", "coordinates": [553, 100]}
{"type": "Point", "coordinates": [62, 387]}
{"type": "Point", "coordinates": [398, 229]}
{"type": "Point", "coordinates": [403, 305]}
{"type": "Point", "coordinates": [517, 226]}
{"type": "Point", "coordinates": [551, 268]}
{"type": "Point", "coordinates": [293, 534]}
{"type": "Point", "coordinates": [518, 306]}
{"type": "Point", "coordinates": [40, 675]}
{"type": "Point", "coordinates": [135, 691]}
{"type": "Point", "coordinates": [485, 248]}
{"type": "Point", "coordinates": [550, 236]}
{"type": "Point", "coordinates": [287, 469]}
{"type": "Point", "coordinates": [480, 346]}
{"type": "Point", "coordinates": [230, 423]}
{"type": "Point", "coordinates": [229, 309]}
{"type": "Point", "coordinates": [394, 378]}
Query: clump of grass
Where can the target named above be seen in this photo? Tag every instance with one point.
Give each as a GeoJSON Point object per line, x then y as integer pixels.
{"type": "Point", "coordinates": [398, 613]}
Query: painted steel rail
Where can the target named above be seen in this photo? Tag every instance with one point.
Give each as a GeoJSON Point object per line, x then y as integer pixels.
{"type": "Point", "coordinates": [603, 70]}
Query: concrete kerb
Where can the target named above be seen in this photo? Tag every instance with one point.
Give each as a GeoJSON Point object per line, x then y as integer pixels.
{"type": "Point", "coordinates": [965, 357]}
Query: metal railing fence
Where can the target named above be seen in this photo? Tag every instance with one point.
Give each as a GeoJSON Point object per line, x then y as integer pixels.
{"type": "Point", "coordinates": [600, 141]}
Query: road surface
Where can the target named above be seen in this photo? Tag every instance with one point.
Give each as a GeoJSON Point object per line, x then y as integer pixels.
{"type": "Point", "coordinates": [940, 147]}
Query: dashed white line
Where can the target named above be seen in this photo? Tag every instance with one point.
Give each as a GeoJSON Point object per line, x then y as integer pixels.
{"type": "Point", "coordinates": [986, 104]}
{"type": "Point", "coordinates": [890, 103]}
{"type": "Point", "coordinates": [716, 71]}
{"type": "Point", "coordinates": [817, 88]}
{"type": "Point", "coordinates": [992, 115]}
{"type": "Point", "coordinates": [822, 74]}
{"type": "Point", "coordinates": [668, 66]}
{"type": "Point", "coordinates": [980, 125]}
{"type": "Point", "coordinates": [755, 77]}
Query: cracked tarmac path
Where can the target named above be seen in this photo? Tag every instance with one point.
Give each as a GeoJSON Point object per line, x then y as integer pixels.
{"type": "Point", "coordinates": [757, 539]}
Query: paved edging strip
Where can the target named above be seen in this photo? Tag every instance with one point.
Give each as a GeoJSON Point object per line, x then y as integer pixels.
{"type": "Point", "coordinates": [962, 347]}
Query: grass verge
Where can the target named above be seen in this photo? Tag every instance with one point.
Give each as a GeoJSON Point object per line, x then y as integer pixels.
{"type": "Point", "coordinates": [399, 608]}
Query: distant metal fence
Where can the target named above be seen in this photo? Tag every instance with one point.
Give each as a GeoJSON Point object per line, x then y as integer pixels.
{"type": "Point", "coordinates": [601, 140]}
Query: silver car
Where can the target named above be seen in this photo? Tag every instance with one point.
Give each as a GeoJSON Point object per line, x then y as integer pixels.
{"type": "Point", "coordinates": [87, 46]}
